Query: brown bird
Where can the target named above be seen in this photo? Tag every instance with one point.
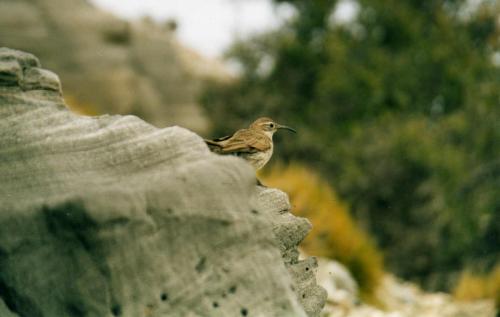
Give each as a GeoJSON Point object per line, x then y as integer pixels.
{"type": "Point", "coordinates": [254, 144]}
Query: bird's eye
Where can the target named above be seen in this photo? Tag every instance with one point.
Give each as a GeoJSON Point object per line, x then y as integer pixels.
{"type": "Point", "coordinates": [271, 125]}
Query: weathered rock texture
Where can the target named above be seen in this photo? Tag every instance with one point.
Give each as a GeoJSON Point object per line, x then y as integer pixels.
{"type": "Point", "coordinates": [109, 65]}
{"type": "Point", "coordinates": [110, 216]}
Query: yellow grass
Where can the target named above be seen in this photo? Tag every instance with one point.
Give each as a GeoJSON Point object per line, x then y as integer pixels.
{"type": "Point", "coordinates": [335, 234]}
{"type": "Point", "coordinates": [77, 106]}
{"type": "Point", "coordinates": [472, 286]}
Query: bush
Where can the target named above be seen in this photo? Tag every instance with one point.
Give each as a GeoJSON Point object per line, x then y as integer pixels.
{"type": "Point", "coordinates": [398, 108]}
{"type": "Point", "coordinates": [473, 286]}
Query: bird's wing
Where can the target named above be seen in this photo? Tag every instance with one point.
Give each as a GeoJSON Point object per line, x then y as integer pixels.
{"type": "Point", "coordinates": [246, 141]}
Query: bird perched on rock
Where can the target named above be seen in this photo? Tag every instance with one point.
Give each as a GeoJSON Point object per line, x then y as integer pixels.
{"type": "Point", "coordinates": [254, 144]}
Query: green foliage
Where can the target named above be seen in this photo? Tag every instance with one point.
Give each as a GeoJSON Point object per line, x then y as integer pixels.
{"type": "Point", "coordinates": [399, 109]}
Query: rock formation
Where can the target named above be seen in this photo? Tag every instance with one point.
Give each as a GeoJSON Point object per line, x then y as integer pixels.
{"type": "Point", "coordinates": [110, 216]}
{"type": "Point", "coordinates": [109, 65]}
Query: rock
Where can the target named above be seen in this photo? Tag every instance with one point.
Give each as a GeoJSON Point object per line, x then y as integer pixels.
{"type": "Point", "coordinates": [11, 68]}
{"type": "Point", "coordinates": [409, 300]}
{"type": "Point", "coordinates": [399, 299]}
{"type": "Point", "coordinates": [110, 216]}
{"type": "Point", "coordinates": [336, 279]}
{"type": "Point", "coordinates": [109, 65]}
{"type": "Point", "coordinates": [36, 78]}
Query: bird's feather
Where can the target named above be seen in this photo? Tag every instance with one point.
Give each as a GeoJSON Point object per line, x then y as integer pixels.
{"type": "Point", "coordinates": [222, 138]}
{"type": "Point", "coordinates": [242, 141]}
{"type": "Point", "coordinates": [246, 140]}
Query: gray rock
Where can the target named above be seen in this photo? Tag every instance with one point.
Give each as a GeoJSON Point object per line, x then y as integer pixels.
{"type": "Point", "coordinates": [110, 216]}
{"type": "Point", "coordinates": [336, 279]}
{"type": "Point", "coordinates": [109, 65]}
{"type": "Point", "coordinates": [290, 231]}
{"type": "Point", "coordinates": [10, 73]}
{"type": "Point", "coordinates": [36, 78]}
{"type": "Point", "coordinates": [11, 68]}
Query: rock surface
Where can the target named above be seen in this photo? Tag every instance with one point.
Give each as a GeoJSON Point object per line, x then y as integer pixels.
{"type": "Point", "coordinates": [109, 65]}
{"type": "Point", "coordinates": [399, 299]}
{"type": "Point", "coordinates": [110, 216]}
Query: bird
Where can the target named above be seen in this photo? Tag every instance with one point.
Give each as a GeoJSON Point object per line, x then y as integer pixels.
{"type": "Point", "coordinates": [254, 144]}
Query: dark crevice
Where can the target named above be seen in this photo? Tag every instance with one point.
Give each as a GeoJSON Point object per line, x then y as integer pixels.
{"type": "Point", "coordinates": [75, 310]}
{"type": "Point", "coordinates": [70, 222]}
{"type": "Point", "coordinates": [17, 303]}
{"type": "Point", "coordinates": [200, 266]}
{"type": "Point", "coordinates": [116, 310]}
{"type": "Point", "coordinates": [164, 297]}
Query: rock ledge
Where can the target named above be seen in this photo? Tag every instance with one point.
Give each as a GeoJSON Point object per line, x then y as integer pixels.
{"type": "Point", "coordinates": [110, 216]}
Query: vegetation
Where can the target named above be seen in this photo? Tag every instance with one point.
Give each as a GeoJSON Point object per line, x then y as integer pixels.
{"type": "Point", "coordinates": [398, 109]}
{"type": "Point", "coordinates": [78, 107]}
{"type": "Point", "coordinates": [335, 234]}
{"type": "Point", "coordinates": [473, 286]}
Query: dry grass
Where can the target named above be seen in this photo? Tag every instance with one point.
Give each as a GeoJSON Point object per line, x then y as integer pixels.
{"type": "Point", "coordinates": [78, 107]}
{"type": "Point", "coordinates": [473, 286]}
{"type": "Point", "coordinates": [335, 234]}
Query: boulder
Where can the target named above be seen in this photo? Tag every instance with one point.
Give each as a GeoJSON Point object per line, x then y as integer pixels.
{"type": "Point", "coordinates": [110, 65]}
{"type": "Point", "coordinates": [111, 216]}
{"type": "Point", "coordinates": [338, 282]}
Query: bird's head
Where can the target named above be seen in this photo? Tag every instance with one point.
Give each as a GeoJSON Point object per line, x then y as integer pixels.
{"type": "Point", "coordinates": [268, 126]}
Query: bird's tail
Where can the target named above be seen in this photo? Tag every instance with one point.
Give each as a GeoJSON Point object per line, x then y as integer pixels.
{"type": "Point", "coordinates": [213, 146]}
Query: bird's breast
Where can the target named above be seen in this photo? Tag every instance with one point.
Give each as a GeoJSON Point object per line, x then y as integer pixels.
{"type": "Point", "coordinates": [259, 159]}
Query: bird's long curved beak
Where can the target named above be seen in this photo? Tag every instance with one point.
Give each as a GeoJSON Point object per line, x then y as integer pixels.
{"type": "Point", "coordinates": [286, 128]}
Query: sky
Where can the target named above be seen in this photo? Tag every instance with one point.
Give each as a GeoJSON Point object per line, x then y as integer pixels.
{"type": "Point", "coordinates": [209, 26]}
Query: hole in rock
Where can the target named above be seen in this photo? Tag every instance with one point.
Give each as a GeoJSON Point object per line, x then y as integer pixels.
{"type": "Point", "coordinates": [255, 211]}
{"type": "Point", "coordinates": [303, 295]}
{"type": "Point", "coordinates": [164, 296]}
{"type": "Point", "coordinates": [200, 266]}
{"type": "Point", "coordinates": [244, 312]}
{"type": "Point", "coordinates": [232, 289]}
{"type": "Point", "coordinates": [215, 304]}
{"type": "Point", "coordinates": [116, 310]}
{"type": "Point", "coordinates": [76, 310]}
{"type": "Point", "coordinates": [307, 269]}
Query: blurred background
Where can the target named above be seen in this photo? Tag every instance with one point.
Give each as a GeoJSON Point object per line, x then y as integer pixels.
{"type": "Point", "coordinates": [397, 104]}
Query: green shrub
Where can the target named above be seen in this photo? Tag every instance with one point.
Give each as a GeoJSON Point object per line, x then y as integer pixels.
{"type": "Point", "coordinates": [398, 109]}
